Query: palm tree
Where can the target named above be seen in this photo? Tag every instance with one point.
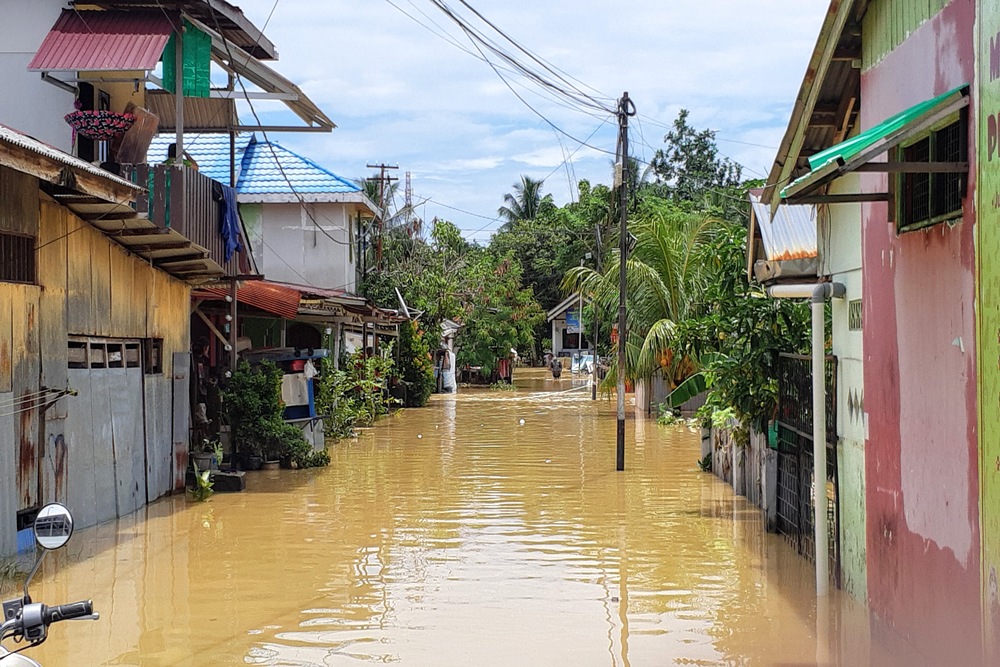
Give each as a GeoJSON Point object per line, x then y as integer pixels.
{"type": "Point", "coordinates": [665, 279]}
{"type": "Point", "coordinates": [525, 203]}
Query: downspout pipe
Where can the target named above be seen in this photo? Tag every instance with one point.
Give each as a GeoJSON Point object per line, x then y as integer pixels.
{"type": "Point", "coordinates": [817, 294]}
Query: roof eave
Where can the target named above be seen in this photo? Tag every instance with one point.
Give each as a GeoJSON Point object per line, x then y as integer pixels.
{"type": "Point", "coordinates": [837, 19]}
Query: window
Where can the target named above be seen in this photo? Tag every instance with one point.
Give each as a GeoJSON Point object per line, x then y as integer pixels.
{"type": "Point", "coordinates": [152, 356]}
{"type": "Point", "coordinates": [17, 258]}
{"type": "Point", "coordinates": [929, 198]}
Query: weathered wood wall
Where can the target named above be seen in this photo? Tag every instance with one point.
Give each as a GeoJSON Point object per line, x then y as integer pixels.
{"type": "Point", "coordinates": [87, 286]}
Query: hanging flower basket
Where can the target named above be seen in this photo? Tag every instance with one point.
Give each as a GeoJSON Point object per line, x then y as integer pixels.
{"type": "Point", "coordinates": [100, 125]}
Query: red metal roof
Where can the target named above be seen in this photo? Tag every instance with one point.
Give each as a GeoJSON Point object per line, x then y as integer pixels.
{"type": "Point", "coordinates": [104, 40]}
{"type": "Point", "coordinates": [266, 296]}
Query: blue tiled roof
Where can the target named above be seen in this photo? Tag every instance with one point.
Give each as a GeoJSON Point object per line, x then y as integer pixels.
{"type": "Point", "coordinates": [210, 151]}
{"type": "Point", "coordinates": [270, 168]}
{"type": "Point", "coordinates": [257, 170]}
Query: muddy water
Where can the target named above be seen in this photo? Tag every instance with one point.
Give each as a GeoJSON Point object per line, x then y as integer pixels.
{"type": "Point", "coordinates": [456, 535]}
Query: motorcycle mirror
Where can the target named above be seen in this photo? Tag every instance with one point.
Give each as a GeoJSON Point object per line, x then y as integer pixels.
{"type": "Point", "coordinates": [53, 527]}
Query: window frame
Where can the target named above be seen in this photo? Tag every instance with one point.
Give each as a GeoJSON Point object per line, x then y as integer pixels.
{"type": "Point", "coordinates": [901, 182]}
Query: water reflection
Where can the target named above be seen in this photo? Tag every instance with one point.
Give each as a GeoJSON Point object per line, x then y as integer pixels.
{"type": "Point", "coordinates": [456, 535]}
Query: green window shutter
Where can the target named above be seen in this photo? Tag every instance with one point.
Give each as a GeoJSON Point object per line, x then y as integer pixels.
{"type": "Point", "coordinates": [197, 62]}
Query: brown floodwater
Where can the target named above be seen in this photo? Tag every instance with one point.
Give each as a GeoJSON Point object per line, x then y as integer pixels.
{"type": "Point", "coordinates": [457, 534]}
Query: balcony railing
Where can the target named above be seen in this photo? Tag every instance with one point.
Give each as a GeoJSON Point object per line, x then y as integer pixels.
{"type": "Point", "coordinates": [187, 202]}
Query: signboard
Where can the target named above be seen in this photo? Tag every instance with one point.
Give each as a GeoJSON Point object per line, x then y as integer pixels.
{"type": "Point", "coordinates": [573, 320]}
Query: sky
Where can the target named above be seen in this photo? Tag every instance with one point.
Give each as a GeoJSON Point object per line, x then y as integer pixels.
{"type": "Point", "coordinates": [397, 78]}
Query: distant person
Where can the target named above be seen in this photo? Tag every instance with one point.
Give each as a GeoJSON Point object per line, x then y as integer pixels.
{"type": "Point", "coordinates": [556, 367]}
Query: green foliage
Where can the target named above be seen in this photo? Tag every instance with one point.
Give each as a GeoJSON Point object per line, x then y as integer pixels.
{"type": "Point", "coordinates": [334, 401]}
{"type": "Point", "coordinates": [367, 379]}
{"type": "Point", "coordinates": [499, 314]}
{"type": "Point", "coordinates": [254, 409]}
{"type": "Point", "coordinates": [503, 386]}
{"type": "Point", "coordinates": [706, 463]}
{"type": "Point", "coordinates": [203, 484]}
{"type": "Point", "coordinates": [415, 365]}
{"type": "Point", "coordinates": [690, 166]}
{"type": "Point", "coordinates": [526, 202]}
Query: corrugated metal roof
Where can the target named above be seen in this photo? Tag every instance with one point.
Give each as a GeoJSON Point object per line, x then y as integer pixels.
{"type": "Point", "coordinates": [103, 41]}
{"type": "Point", "coordinates": [14, 137]}
{"type": "Point", "coordinates": [257, 170]}
{"type": "Point", "coordinates": [261, 294]}
{"type": "Point", "coordinates": [792, 232]}
{"type": "Point", "coordinates": [201, 114]}
{"type": "Point", "coordinates": [280, 171]}
{"type": "Point", "coordinates": [210, 151]}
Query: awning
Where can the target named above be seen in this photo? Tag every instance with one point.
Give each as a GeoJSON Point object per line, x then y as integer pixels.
{"type": "Point", "coordinates": [856, 153]}
{"type": "Point", "coordinates": [104, 40]}
{"type": "Point", "coordinates": [260, 294]}
{"type": "Point", "coordinates": [265, 78]}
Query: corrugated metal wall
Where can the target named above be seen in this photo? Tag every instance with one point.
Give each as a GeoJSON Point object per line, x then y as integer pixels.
{"type": "Point", "coordinates": [887, 24]}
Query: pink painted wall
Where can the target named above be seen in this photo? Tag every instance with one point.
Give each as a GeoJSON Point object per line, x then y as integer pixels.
{"type": "Point", "coordinates": [922, 490]}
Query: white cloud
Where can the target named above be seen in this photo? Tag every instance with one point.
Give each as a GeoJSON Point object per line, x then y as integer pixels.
{"type": "Point", "coordinates": [401, 94]}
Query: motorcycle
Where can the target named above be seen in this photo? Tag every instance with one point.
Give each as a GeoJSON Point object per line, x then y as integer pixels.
{"type": "Point", "coordinates": [27, 621]}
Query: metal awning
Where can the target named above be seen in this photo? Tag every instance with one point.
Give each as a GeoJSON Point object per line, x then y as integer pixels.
{"type": "Point", "coordinates": [201, 114]}
{"type": "Point", "coordinates": [234, 25]}
{"type": "Point", "coordinates": [104, 41]}
{"type": "Point", "coordinates": [857, 153]}
{"type": "Point", "coordinates": [260, 294]}
{"type": "Point", "coordinates": [227, 56]}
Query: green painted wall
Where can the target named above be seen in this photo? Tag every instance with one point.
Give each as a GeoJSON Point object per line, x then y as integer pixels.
{"type": "Point", "coordinates": [888, 22]}
{"type": "Point", "coordinates": [988, 309]}
{"type": "Point", "coordinates": [853, 563]}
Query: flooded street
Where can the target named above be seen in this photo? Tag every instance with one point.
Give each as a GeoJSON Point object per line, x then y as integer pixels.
{"type": "Point", "coordinates": [456, 535]}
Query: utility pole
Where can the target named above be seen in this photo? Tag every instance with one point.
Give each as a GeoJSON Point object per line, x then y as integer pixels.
{"type": "Point", "coordinates": [383, 182]}
{"type": "Point", "coordinates": [625, 109]}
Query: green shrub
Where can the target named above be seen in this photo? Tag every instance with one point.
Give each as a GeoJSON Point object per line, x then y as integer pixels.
{"type": "Point", "coordinates": [415, 365]}
{"type": "Point", "coordinates": [254, 409]}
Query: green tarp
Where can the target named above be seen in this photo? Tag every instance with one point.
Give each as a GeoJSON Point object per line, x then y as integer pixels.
{"type": "Point", "coordinates": [197, 62]}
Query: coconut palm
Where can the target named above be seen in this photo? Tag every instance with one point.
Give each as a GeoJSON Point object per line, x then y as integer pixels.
{"type": "Point", "coordinates": [665, 282]}
{"type": "Point", "coordinates": [525, 203]}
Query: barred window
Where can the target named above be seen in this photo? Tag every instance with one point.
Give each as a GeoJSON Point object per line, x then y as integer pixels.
{"type": "Point", "coordinates": [17, 258]}
{"type": "Point", "coordinates": [929, 198]}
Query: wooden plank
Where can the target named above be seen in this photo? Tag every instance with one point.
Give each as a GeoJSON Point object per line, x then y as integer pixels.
{"type": "Point", "coordinates": [80, 462]}
{"type": "Point", "coordinates": [25, 381]}
{"type": "Point", "coordinates": [19, 194]}
{"type": "Point", "coordinates": [52, 277]}
{"type": "Point", "coordinates": [6, 339]}
{"type": "Point", "coordinates": [100, 281]}
{"type": "Point", "coordinates": [78, 278]}
{"type": "Point", "coordinates": [122, 304]}
{"type": "Point", "coordinates": [180, 413]}
{"type": "Point", "coordinates": [104, 444]}
{"type": "Point", "coordinates": [159, 452]}
{"type": "Point", "coordinates": [8, 492]}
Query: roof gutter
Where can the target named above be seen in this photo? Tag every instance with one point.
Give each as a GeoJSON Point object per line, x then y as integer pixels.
{"type": "Point", "coordinates": [817, 293]}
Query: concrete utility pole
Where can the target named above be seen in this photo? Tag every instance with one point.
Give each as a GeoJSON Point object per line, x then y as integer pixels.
{"type": "Point", "coordinates": [383, 181]}
{"type": "Point", "coordinates": [625, 109]}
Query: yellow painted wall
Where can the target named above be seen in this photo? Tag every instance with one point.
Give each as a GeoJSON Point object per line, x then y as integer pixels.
{"type": "Point", "coordinates": [107, 291]}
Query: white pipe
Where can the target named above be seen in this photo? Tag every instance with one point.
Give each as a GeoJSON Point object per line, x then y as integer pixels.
{"type": "Point", "coordinates": [818, 294]}
{"type": "Point", "coordinates": [792, 291]}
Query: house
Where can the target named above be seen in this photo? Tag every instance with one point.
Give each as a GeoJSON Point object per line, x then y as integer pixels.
{"type": "Point", "coordinates": [302, 219]}
{"type": "Point", "coordinates": [120, 72]}
{"type": "Point", "coordinates": [94, 349]}
{"type": "Point", "coordinates": [893, 137]}
{"type": "Point", "coordinates": [568, 338]}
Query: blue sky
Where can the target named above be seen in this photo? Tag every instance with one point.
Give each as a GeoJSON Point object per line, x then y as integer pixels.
{"type": "Point", "coordinates": [389, 74]}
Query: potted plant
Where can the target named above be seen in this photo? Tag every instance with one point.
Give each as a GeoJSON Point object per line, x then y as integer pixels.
{"type": "Point", "coordinates": [209, 457]}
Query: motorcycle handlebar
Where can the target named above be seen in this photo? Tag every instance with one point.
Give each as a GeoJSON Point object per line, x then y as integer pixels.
{"type": "Point", "coordinates": [66, 612]}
